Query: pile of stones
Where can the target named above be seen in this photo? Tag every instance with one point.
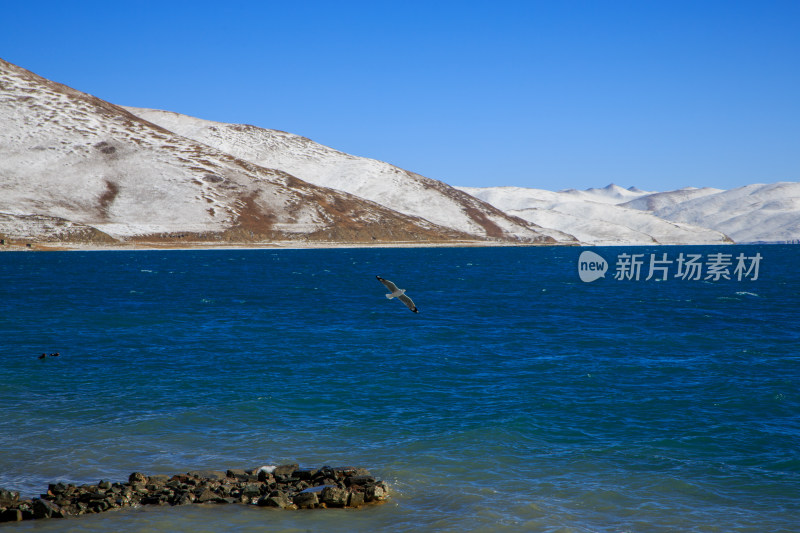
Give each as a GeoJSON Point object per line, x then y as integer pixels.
{"type": "Point", "coordinates": [285, 487]}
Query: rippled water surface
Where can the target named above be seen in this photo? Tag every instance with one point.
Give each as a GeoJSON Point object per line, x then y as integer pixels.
{"type": "Point", "coordinates": [519, 399]}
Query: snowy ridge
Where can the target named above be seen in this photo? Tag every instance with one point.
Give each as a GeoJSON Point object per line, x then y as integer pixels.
{"type": "Point", "coordinates": [613, 215]}
{"type": "Point", "coordinates": [593, 217]}
{"type": "Point", "coordinates": [753, 213]}
{"type": "Point", "coordinates": [382, 183]}
{"type": "Point", "coordinates": [610, 194]}
{"type": "Point", "coordinates": [659, 200]}
{"type": "Point", "coordinates": [68, 156]}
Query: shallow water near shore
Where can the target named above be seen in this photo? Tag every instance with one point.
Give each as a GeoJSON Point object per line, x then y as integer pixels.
{"type": "Point", "coordinates": [519, 399]}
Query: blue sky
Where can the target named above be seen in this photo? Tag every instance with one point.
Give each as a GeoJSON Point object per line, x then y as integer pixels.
{"type": "Point", "coordinates": [550, 94]}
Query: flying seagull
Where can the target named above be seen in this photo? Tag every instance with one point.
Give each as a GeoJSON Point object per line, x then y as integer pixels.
{"type": "Point", "coordinates": [400, 294]}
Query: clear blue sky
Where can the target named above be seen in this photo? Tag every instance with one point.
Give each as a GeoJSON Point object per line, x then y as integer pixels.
{"type": "Point", "coordinates": [548, 94]}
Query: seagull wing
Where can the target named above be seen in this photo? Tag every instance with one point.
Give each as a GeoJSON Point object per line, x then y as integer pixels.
{"type": "Point", "coordinates": [409, 303]}
{"type": "Point", "coordinates": [389, 285]}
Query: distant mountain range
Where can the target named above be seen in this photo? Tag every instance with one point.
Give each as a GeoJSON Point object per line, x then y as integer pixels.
{"type": "Point", "coordinates": [613, 215]}
{"type": "Point", "coordinates": [77, 169]}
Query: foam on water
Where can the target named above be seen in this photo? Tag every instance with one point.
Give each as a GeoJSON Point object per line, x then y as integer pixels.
{"type": "Point", "coordinates": [519, 399]}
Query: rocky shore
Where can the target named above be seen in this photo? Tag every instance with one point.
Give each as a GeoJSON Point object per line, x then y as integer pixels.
{"type": "Point", "coordinates": [284, 487]}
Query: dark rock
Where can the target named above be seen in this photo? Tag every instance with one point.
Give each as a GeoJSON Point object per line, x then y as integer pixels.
{"type": "Point", "coordinates": [8, 498]}
{"type": "Point", "coordinates": [350, 471]}
{"type": "Point", "coordinates": [11, 515]}
{"type": "Point", "coordinates": [60, 501]}
{"type": "Point", "coordinates": [208, 474]}
{"type": "Point", "coordinates": [93, 496]}
{"type": "Point", "coordinates": [157, 480]}
{"type": "Point", "coordinates": [111, 503]}
{"type": "Point", "coordinates": [334, 497]}
{"type": "Point", "coordinates": [251, 489]}
{"type": "Point", "coordinates": [377, 492]}
{"type": "Point", "coordinates": [301, 485]}
{"type": "Point", "coordinates": [305, 500]}
{"type": "Point", "coordinates": [137, 477]}
{"type": "Point", "coordinates": [105, 485]}
{"type": "Point", "coordinates": [328, 472]}
{"type": "Point", "coordinates": [305, 474]}
{"type": "Point", "coordinates": [237, 473]}
{"type": "Point", "coordinates": [98, 506]}
{"type": "Point", "coordinates": [206, 496]}
{"type": "Point", "coordinates": [356, 499]}
{"type": "Point", "coordinates": [362, 480]}
{"type": "Point", "coordinates": [284, 470]}
{"type": "Point", "coordinates": [57, 488]}
{"type": "Point", "coordinates": [276, 499]}
{"type": "Point", "coordinates": [183, 499]}
{"type": "Point", "coordinates": [46, 509]}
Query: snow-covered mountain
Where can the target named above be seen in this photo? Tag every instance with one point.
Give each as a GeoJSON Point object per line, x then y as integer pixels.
{"type": "Point", "coordinates": [610, 194]}
{"type": "Point", "coordinates": [658, 200]}
{"type": "Point", "coordinates": [380, 182]}
{"type": "Point", "coordinates": [74, 167]}
{"type": "Point", "coordinates": [596, 216]}
{"type": "Point", "coordinates": [753, 213]}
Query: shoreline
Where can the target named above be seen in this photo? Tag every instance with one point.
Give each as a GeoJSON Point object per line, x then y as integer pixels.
{"type": "Point", "coordinates": [294, 245]}
{"type": "Point", "coordinates": [279, 245]}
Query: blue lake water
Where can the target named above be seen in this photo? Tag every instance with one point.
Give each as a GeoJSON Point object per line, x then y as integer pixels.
{"type": "Point", "coordinates": [519, 399]}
